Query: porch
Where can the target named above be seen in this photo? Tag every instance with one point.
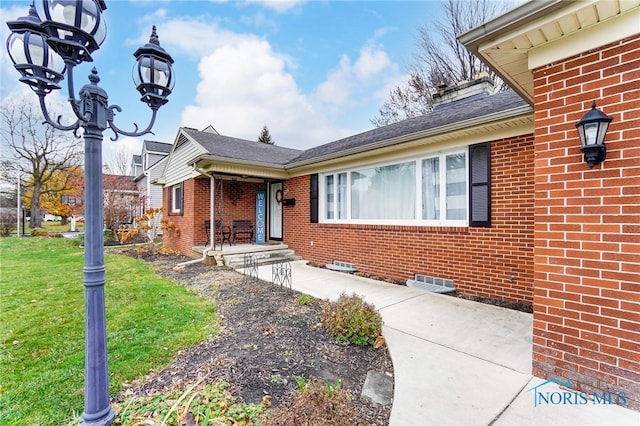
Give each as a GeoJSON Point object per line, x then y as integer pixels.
{"type": "Point", "coordinates": [271, 252]}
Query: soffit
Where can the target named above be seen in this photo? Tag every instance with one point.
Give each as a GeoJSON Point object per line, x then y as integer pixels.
{"type": "Point", "coordinates": [212, 165]}
{"type": "Point", "coordinates": [541, 32]}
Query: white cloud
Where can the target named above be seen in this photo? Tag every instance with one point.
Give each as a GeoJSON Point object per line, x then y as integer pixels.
{"type": "Point", "coordinates": [245, 86]}
{"type": "Point", "coordinates": [353, 81]}
{"type": "Point", "coordinates": [279, 6]}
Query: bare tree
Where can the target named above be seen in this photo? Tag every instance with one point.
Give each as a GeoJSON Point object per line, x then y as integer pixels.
{"type": "Point", "coordinates": [440, 60]}
{"type": "Point", "coordinates": [120, 162]}
{"type": "Point", "coordinates": [36, 150]}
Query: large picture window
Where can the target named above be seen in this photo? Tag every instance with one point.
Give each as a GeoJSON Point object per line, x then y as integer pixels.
{"type": "Point", "coordinates": [387, 192]}
{"type": "Point", "coordinates": [427, 190]}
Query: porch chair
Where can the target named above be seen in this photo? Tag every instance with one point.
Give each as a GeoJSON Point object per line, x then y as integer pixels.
{"type": "Point", "coordinates": [223, 231]}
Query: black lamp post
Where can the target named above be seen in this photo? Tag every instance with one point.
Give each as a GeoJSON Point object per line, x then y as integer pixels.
{"type": "Point", "coordinates": [592, 128]}
{"type": "Point", "coordinates": [46, 52]}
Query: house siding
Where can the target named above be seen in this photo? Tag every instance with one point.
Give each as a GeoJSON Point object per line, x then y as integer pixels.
{"type": "Point", "coordinates": [587, 232]}
{"type": "Point", "coordinates": [481, 261]}
{"type": "Point", "coordinates": [154, 193]}
{"type": "Point", "coordinates": [181, 170]}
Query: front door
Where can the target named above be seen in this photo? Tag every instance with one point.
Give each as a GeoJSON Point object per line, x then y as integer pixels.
{"type": "Point", "coordinates": [275, 211]}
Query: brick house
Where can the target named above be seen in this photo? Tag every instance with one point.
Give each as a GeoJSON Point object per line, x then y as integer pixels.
{"type": "Point", "coordinates": [560, 57]}
{"type": "Point", "coordinates": [489, 190]}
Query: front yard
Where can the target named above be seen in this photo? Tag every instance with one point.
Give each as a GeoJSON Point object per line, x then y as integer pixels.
{"type": "Point", "coordinates": [149, 319]}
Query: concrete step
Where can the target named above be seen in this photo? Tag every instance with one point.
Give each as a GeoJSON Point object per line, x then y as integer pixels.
{"type": "Point", "coordinates": [262, 257]}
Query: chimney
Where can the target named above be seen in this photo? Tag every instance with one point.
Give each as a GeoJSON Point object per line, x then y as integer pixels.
{"type": "Point", "coordinates": [465, 89]}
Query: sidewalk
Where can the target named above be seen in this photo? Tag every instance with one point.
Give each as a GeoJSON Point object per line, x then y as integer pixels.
{"type": "Point", "coordinates": [456, 362]}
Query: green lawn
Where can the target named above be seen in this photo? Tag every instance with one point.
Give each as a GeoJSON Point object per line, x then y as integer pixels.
{"type": "Point", "coordinates": [42, 327]}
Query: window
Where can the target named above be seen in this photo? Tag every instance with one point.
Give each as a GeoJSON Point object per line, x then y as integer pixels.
{"type": "Point", "coordinates": [329, 191]}
{"type": "Point", "coordinates": [427, 190]}
{"type": "Point", "coordinates": [431, 189]}
{"type": "Point", "coordinates": [386, 192]}
{"type": "Point", "coordinates": [456, 187]}
{"type": "Point", "coordinates": [70, 200]}
{"type": "Point", "coordinates": [336, 194]}
{"type": "Point", "coordinates": [175, 199]}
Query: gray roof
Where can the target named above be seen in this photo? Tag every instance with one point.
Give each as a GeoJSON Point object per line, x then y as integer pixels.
{"type": "Point", "coordinates": [137, 159]}
{"type": "Point", "coordinates": [155, 146]}
{"type": "Point", "coordinates": [241, 149]}
{"type": "Point", "coordinates": [443, 115]}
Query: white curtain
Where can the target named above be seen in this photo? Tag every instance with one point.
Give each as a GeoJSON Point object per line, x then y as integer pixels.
{"type": "Point", "coordinates": [387, 192]}
{"type": "Point", "coordinates": [431, 189]}
{"type": "Point", "coordinates": [456, 187]}
{"type": "Point", "coordinates": [342, 196]}
{"type": "Point", "coordinates": [330, 196]}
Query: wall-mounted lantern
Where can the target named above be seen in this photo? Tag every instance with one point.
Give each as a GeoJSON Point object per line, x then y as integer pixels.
{"type": "Point", "coordinates": [592, 128]}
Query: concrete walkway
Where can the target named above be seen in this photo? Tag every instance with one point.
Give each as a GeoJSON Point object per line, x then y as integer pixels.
{"type": "Point", "coordinates": [456, 362]}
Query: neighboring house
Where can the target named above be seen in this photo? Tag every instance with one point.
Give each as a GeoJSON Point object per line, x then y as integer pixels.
{"type": "Point", "coordinates": [136, 165]}
{"type": "Point", "coordinates": [489, 191]}
{"type": "Point", "coordinates": [121, 200]}
{"type": "Point", "coordinates": [147, 167]}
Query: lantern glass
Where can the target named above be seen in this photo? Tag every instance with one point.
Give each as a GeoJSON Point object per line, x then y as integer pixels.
{"type": "Point", "coordinates": [74, 15]}
{"type": "Point", "coordinates": [591, 133]}
{"type": "Point", "coordinates": [31, 49]}
{"type": "Point", "coordinates": [39, 66]}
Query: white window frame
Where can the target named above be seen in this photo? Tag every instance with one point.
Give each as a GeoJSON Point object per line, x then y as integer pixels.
{"type": "Point", "coordinates": [177, 207]}
{"type": "Point", "coordinates": [442, 221]}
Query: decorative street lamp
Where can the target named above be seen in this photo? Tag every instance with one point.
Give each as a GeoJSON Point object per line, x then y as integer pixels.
{"type": "Point", "coordinates": [46, 52]}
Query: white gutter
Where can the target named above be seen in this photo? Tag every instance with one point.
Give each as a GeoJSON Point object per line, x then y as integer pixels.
{"type": "Point", "coordinates": [524, 14]}
{"type": "Point", "coordinates": [212, 217]}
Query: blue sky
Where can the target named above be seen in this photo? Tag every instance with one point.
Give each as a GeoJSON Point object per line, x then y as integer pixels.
{"type": "Point", "coordinates": [312, 71]}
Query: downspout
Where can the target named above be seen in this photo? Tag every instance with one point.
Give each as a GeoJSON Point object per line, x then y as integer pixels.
{"type": "Point", "coordinates": [212, 228]}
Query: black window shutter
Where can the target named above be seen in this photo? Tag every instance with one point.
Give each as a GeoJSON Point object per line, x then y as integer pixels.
{"type": "Point", "coordinates": [480, 185]}
{"type": "Point", "coordinates": [313, 198]}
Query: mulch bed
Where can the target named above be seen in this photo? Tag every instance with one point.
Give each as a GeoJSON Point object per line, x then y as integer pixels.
{"type": "Point", "coordinates": [266, 339]}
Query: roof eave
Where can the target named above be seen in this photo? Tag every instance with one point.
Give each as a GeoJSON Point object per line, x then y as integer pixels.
{"type": "Point", "coordinates": [485, 119]}
{"type": "Point", "coordinates": [517, 17]}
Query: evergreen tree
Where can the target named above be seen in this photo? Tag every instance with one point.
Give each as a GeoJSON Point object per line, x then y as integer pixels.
{"type": "Point", "coordinates": [265, 137]}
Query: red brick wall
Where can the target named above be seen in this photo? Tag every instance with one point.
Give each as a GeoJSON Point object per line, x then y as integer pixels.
{"type": "Point", "coordinates": [587, 233]}
{"type": "Point", "coordinates": [481, 261]}
{"type": "Point", "coordinates": [239, 203]}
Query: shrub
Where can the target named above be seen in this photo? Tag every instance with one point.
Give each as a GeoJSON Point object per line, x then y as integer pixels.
{"type": "Point", "coordinates": [39, 232]}
{"type": "Point", "coordinates": [7, 223]}
{"type": "Point", "coordinates": [318, 402]}
{"type": "Point", "coordinates": [351, 319]}
{"type": "Point", "coordinates": [126, 233]}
